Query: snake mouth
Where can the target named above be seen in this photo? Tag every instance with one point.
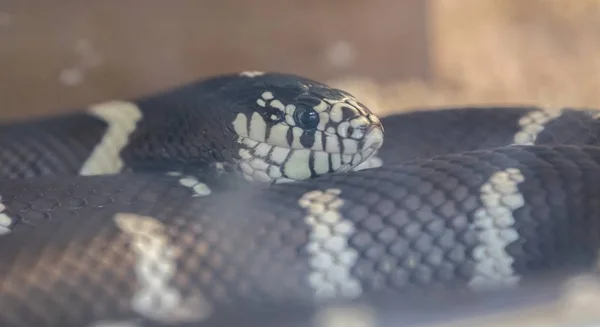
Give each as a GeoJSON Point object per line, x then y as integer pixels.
{"type": "Point", "coordinates": [263, 162]}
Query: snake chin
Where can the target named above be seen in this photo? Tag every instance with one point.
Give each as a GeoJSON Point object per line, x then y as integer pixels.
{"type": "Point", "coordinates": [266, 163]}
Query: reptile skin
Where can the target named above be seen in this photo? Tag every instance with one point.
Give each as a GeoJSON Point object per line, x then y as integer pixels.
{"type": "Point", "coordinates": [462, 200]}
{"type": "Point", "coordinates": [410, 226]}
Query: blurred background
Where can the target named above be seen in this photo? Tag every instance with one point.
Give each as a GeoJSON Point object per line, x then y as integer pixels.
{"type": "Point", "coordinates": [395, 55]}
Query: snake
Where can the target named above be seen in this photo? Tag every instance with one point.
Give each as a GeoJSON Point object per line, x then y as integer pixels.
{"type": "Point", "coordinates": [260, 191]}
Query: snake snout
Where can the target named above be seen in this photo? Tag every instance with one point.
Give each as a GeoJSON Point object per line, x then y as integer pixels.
{"type": "Point", "coordinates": [373, 138]}
{"type": "Point", "coordinates": [371, 142]}
{"type": "Point", "coordinates": [370, 131]}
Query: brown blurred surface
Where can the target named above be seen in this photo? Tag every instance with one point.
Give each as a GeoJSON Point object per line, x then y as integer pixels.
{"type": "Point", "coordinates": [541, 52]}
{"type": "Point", "coordinates": [393, 54]}
{"type": "Point", "coordinates": [58, 55]}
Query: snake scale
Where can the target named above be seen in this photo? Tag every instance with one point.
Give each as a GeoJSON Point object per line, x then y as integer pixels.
{"type": "Point", "coordinates": [254, 190]}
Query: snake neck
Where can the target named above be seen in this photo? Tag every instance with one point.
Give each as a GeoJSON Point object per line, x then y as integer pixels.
{"type": "Point", "coordinates": [194, 139]}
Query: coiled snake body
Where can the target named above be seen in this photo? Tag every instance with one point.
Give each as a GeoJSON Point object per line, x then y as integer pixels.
{"type": "Point", "coordinates": [245, 189]}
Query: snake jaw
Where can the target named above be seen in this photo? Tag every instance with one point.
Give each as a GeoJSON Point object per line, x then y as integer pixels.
{"type": "Point", "coordinates": [270, 162]}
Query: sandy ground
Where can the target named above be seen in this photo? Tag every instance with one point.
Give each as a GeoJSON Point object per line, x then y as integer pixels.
{"type": "Point", "coordinates": [540, 52]}
{"type": "Point", "coordinates": [394, 54]}
{"type": "Point", "coordinates": [64, 54]}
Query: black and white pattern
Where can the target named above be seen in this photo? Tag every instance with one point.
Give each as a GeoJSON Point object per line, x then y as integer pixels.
{"type": "Point", "coordinates": [465, 199]}
{"type": "Point", "coordinates": [268, 127]}
{"type": "Point", "coordinates": [494, 223]}
{"type": "Point", "coordinates": [533, 124]}
{"type": "Point", "coordinates": [276, 147]}
{"type": "Point", "coordinates": [483, 220]}
{"type": "Point", "coordinates": [156, 298]}
{"type": "Point", "coordinates": [5, 220]}
{"type": "Point", "coordinates": [199, 188]}
{"type": "Point", "coordinates": [49, 147]}
{"type": "Point", "coordinates": [331, 257]}
{"type": "Point", "coordinates": [121, 118]}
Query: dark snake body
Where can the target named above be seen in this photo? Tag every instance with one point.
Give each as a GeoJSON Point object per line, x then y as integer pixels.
{"type": "Point", "coordinates": [466, 199]}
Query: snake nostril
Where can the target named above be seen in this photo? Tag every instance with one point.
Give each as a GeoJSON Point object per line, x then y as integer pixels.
{"type": "Point", "coordinates": [350, 130]}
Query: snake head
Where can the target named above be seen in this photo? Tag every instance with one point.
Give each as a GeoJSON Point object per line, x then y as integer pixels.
{"type": "Point", "coordinates": [292, 128]}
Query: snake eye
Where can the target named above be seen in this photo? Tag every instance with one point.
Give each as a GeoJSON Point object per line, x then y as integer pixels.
{"type": "Point", "coordinates": [306, 118]}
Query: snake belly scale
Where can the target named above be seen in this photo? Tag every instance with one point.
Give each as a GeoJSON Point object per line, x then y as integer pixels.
{"type": "Point", "coordinates": [249, 189]}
